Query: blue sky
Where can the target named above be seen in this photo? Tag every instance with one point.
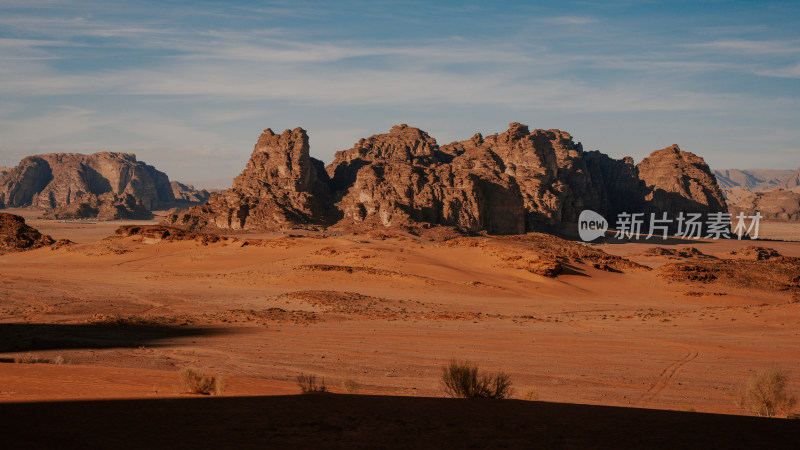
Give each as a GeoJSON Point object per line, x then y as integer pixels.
{"type": "Point", "coordinates": [188, 86]}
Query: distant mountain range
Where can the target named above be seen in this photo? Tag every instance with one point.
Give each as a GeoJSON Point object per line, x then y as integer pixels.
{"type": "Point", "coordinates": [758, 180]}
{"type": "Point", "coordinates": [773, 193]}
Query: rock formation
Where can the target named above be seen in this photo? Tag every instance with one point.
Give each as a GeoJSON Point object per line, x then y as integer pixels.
{"type": "Point", "coordinates": [778, 204]}
{"type": "Point", "coordinates": [58, 179]}
{"type": "Point", "coordinates": [507, 183]}
{"type": "Point", "coordinates": [107, 206]}
{"type": "Point", "coordinates": [113, 185]}
{"type": "Point", "coordinates": [16, 235]}
{"type": "Point", "coordinates": [3, 171]}
{"type": "Point", "coordinates": [679, 181]}
{"type": "Point", "coordinates": [186, 193]}
{"type": "Point", "coordinates": [280, 186]}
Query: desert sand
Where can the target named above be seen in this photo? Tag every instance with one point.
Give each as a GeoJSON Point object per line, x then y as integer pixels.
{"type": "Point", "coordinates": [122, 315]}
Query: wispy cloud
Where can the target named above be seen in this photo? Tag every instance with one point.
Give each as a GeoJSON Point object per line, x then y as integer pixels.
{"type": "Point", "coordinates": [213, 68]}
{"type": "Point", "coordinates": [570, 20]}
{"type": "Point", "coordinates": [792, 71]}
{"type": "Point", "coordinates": [750, 47]}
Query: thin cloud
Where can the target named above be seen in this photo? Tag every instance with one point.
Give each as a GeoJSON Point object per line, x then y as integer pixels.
{"type": "Point", "coordinates": [784, 72]}
{"type": "Point", "coordinates": [570, 20]}
{"type": "Point", "coordinates": [749, 47]}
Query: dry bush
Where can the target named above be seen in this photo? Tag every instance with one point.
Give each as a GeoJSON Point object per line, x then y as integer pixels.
{"type": "Point", "coordinates": [28, 358]}
{"type": "Point", "coordinates": [351, 386]}
{"type": "Point", "coordinates": [308, 384]}
{"type": "Point", "coordinates": [196, 382]}
{"type": "Point", "coordinates": [463, 379]}
{"type": "Point", "coordinates": [765, 394]}
{"type": "Point", "coordinates": [529, 393]}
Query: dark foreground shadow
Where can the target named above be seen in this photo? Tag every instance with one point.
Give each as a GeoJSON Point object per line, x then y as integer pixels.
{"type": "Point", "coordinates": [25, 337]}
{"type": "Point", "coordinates": [359, 421]}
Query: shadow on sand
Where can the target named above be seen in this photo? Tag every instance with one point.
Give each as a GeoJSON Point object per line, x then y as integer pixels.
{"type": "Point", "coordinates": [361, 421]}
{"type": "Point", "coordinates": [25, 337]}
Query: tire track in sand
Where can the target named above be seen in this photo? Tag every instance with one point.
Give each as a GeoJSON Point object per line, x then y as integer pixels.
{"type": "Point", "coordinates": [666, 376]}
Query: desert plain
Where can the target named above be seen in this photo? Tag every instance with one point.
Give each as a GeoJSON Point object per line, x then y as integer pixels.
{"type": "Point", "coordinates": [384, 313]}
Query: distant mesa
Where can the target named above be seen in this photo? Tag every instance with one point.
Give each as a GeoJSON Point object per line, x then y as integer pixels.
{"type": "Point", "coordinates": [104, 185]}
{"type": "Point", "coordinates": [506, 183]}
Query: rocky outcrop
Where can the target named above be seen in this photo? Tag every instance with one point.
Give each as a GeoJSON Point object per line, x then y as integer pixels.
{"type": "Point", "coordinates": [624, 190]}
{"type": "Point", "coordinates": [186, 193]}
{"type": "Point", "coordinates": [3, 171]}
{"type": "Point", "coordinates": [108, 206]}
{"type": "Point", "coordinates": [678, 181]}
{"type": "Point", "coordinates": [281, 186]}
{"type": "Point", "coordinates": [777, 205]}
{"type": "Point", "coordinates": [16, 235]}
{"type": "Point", "coordinates": [58, 179]}
{"type": "Point", "coordinates": [506, 183]}
{"type": "Point", "coordinates": [102, 185]}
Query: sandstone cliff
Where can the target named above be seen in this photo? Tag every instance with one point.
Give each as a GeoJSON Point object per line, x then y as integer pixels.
{"type": "Point", "coordinates": [778, 204]}
{"type": "Point", "coordinates": [58, 179]}
{"type": "Point", "coordinates": [280, 186]}
{"type": "Point", "coordinates": [107, 206]}
{"type": "Point", "coordinates": [506, 183]}
{"type": "Point", "coordinates": [679, 181]}
{"type": "Point", "coordinates": [102, 185]}
{"type": "Point", "coordinates": [186, 193]}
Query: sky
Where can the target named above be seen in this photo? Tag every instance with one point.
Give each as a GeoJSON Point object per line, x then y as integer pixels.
{"type": "Point", "coordinates": [188, 86]}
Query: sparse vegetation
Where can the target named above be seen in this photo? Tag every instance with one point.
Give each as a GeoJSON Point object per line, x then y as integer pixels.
{"type": "Point", "coordinates": [28, 358]}
{"type": "Point", "coordinates": [351, 386]}
{"type": "Point", "coordinates": [196, 382]}
{"type": "Point", "coordinates": [529, 393]}
{"type": "Point", "coordinates": [463, 379]}
{"type": "Point", "coordinates": [308, 384]}
{"type": "Point", "coordinates": [765, 394]}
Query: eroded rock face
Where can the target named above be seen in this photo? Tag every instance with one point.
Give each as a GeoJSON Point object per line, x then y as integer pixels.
{"type": "Point", "coordinates": [59, 179]}
{"type": "Point", "coordinates": [16, 235]}
{"type": "Point", "coordinates": [778, 204]}
{"type": "Point", "coordinates": [680, 181]}
{"type": "Point", "coordinates": [281, 186]}
{"type": "Point", "coordinates": [401, 177]}
{"type": "Point", "coordinates": [506, 183]}
{"type": "Point", "coordinates": [108, 206]}
{"type": "Point", "coordinates": [186, 193]}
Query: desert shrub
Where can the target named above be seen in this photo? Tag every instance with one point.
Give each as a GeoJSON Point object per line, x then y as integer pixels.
{"type": "Point", "coordinates": [308, 384]}
{"type": "Point", "coordinates": [28, 358]}
{"type": "Point", "coordinates": [463, 379]}
{"type": "Point", "coordinates": [765, 394]}
{"type": "Point", "coordinates": [196, 382]}
{"type": "Point", "coordinates": [529, 393]}
{"type": "Point", "coordinates": [351, 386]}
